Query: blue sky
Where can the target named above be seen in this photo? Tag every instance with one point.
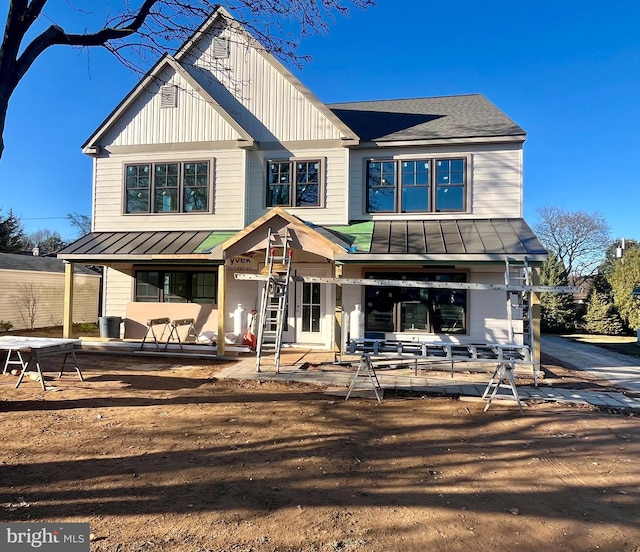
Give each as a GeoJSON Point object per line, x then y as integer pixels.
{"type": "Point", "coordinates": [567, 72]}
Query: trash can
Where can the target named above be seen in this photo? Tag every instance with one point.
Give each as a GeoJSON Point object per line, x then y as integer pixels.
{"type": "Point", "coordinates": [109, 326]}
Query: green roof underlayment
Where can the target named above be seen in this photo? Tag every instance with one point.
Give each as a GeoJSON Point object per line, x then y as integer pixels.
{"type": "Point", "coordinates": [214, 239]}
{"type": "Point", "coordinates": [359, 234]}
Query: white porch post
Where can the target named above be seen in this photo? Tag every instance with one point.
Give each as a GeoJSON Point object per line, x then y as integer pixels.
{"type": "Point", "coordinates": [67, 316]}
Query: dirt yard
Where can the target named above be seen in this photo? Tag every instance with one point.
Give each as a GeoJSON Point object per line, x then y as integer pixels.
{"type": "Point", "coordinates": [159, 456]}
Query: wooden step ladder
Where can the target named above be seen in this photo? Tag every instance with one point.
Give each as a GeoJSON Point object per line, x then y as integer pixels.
{"type": "Point", "coordinates": [275, 294]}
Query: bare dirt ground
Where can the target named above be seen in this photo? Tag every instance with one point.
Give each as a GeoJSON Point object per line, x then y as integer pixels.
{"type": "Point", "coordinates": [159, 455]}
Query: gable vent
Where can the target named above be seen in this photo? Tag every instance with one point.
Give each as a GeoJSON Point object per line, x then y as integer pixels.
{"type": "Point", "coordinates": [169, 95]}
{"type": "Point", "coordinates": [220, 47]}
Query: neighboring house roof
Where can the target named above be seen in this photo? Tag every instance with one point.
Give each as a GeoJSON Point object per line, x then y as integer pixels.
{"type": "Point", "coordinates": [31, 263]}
{"type": "Point", "coordinates": [176, 245]}
{"type": "Point", "coordinates": [442, 240]}
{"type": "Point", "coordinates": [439, 118]}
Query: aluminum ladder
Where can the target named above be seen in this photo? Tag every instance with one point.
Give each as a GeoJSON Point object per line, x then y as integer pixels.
{"type": "Point", "coordinates": [275, 294]}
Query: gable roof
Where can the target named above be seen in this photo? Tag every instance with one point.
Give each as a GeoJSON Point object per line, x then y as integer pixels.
{"type": "Point", "coordinates": [165, 61]}
{"type": "Point", "coordinates": [221, 14]}
{"type": "Point", "coordinates": [313, 239]}
{"type": "Point", "coordinates": [440, 118]}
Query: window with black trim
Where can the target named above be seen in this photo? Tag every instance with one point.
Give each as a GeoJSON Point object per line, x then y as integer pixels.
{"type": "Point", "coordinates": [293, 183]}
{"type": "Point", "coordinates": [416, 185]}
{"type": "Point", "coordinates": [176, 286]}
{"type": "Point", "coordinates": [411, 309]}
{"type": "Point", "coordinates": [180, 187]}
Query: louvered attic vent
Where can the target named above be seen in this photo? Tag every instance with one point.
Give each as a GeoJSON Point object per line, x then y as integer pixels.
{"type": "Point", "coordinates": [220, 47]}
{"type": "Point", "coordinates": [169, 95]}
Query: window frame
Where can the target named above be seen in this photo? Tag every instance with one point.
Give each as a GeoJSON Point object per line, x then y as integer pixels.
{"type": "Point", "coordinates": [394, 296]}
{"type": "Point", "coordinates": [293, 184]}
{"type": "Point", "coordinates": [190, 284]}
{"type": "Point", "coordinates": [180, 188]}
{"type": "Point", "coordinates": [432, 186]}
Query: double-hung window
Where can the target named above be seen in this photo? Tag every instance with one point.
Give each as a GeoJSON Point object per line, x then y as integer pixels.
{"type": "Point", "coordinates": [416, 185]}
{"type": "Point", "coordinates": [181, 187]}
{"type": "Point", "coordinates": [293, 183]}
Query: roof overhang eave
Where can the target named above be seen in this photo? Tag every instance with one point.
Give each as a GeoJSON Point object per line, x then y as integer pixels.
{"type": "Point", "coordinates": [109, 259]}
{"type": "Point", "coordinates": [515, 138]}
{"type": "Point", "coordinates": [352, 258]}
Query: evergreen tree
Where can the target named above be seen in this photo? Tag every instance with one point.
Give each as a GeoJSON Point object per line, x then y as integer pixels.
{"type": "Point", "coordinates": [12, 238]}
{"type": "Point", "coordinates": [624, 279]}
{"type": "Point", "coordinates": [557, 310]}
{"type": "Point", "coordinates": [602, 317]}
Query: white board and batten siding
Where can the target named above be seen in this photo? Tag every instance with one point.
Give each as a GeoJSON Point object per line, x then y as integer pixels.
{"type": "Point", "coordinates": [45, 291]}
{"type": "Point", "coordinates": [192, 120]}
{"type": "Point", "coordinates": [495, 187]}
{"type": "Point", "coordinates": [258, 92]}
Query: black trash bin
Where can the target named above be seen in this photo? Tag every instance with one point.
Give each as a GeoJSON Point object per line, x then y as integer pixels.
{"type": "Point", "coordinates": [109, 326]}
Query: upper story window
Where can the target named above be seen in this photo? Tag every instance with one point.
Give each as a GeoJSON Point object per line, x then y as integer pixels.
{"type": "Point", "coordinates": [420, 185]}
{"type": "Point", "coordinates": [294, 183]}
{"type": "Point", "coordinates": [182, 187]}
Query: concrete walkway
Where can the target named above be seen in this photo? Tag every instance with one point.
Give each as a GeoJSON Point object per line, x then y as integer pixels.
{"type": "Point", "coordinates": [403, 379]}
{"type": "Point", "coordinates": [622, 371]}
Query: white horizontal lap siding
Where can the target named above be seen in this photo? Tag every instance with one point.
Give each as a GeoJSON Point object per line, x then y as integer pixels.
{"type": "Point", "coordinates": [334, 185]}
{"type": "Point", "coordinates": [259, 96]}
{"type": "Point", "coordinates": [146, 122]}
{"type": "Point", "coordinates": [487, 319]}
{"type": "Point", "coordinates": [46, 290]}
{"type": "Point", "coordinates": [496, 177]}
{"type": "Point", "coordinates": [118, 293]}
{"type": "Point", "coordinates": [227, 178]}
{"type": "Point", "coordinates": [497, 183]}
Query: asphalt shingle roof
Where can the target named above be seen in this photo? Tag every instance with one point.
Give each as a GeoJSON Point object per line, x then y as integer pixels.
{"type": "Point", "coordinates": [13, 261]}
{"type": "Point", "coordinates": [445, 117]}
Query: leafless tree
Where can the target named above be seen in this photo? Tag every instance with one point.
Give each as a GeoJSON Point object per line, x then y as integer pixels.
{"type": "Point", "coordinates": [141, 29]}
{"type": "Point", "coordinates": [29, 302]}
{"type": "Point", "coordinates": [578, 239]}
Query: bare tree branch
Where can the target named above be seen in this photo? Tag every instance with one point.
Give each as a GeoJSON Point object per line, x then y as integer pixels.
{"type": "Point", "coordinates": [578, 239]}
{"type": "Point", "coordinates": [135, 34]}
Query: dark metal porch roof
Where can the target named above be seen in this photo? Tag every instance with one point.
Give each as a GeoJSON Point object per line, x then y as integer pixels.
{"type": "Point", "coordinates": [443, 240]}
{"type": "Point", "coordinates": [130, 246]}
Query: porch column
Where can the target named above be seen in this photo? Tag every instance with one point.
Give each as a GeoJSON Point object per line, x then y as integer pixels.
{"type": "Point", "coordinates": [222, 309]}
{"type": "Point", "coordinates": [67, 316]}
{"type": "Point", "coordinates": [338, 314]}
{"type": "Point", "coordinates": [535, 316]}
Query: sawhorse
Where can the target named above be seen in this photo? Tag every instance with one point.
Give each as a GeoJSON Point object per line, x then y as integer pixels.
{"type": "Point", "coordinates": [365, 369]}
{"type": "Point", "coordinates": [151, 332]}
{"type": "Point", "coordinates": [502, 373]}
{"type": "Point", "coordinates": [174, 333]}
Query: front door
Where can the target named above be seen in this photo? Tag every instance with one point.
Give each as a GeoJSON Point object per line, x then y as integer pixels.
{"type": "Point", "coordinates": [310, 312]}
{"type": "Point", "coordinates": [306, 314]}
